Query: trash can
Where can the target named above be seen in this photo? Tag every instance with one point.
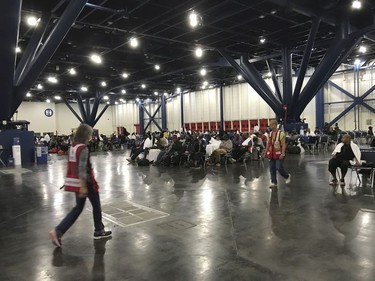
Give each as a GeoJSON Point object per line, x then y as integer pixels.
{"type": "Point", "coordinates": [41, 154]}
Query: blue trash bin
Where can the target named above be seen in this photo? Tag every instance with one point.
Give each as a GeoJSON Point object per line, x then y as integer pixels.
{"type": "Point", "coordinates": [41, 154]}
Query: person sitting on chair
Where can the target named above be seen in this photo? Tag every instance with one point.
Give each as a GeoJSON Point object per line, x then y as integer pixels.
{"type": "Point", "coordinates": [344, 153]}
{"type": "Point", "coordinates": [225, 147]}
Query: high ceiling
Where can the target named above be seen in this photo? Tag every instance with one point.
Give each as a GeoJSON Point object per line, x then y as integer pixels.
{"type": "Point", "coordinates": [166, 39]}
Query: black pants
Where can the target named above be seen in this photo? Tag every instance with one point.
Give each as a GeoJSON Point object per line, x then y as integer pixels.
{"type": "Point", "coordinates": [335, 163]}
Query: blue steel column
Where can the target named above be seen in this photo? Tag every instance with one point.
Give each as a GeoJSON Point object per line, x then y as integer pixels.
{"type": "Point", "coordinates": [287, 78]}
{"type": "Point", "coordinates": [221, 99]}
{"type": "Point", "coordinates": [163, 113]}
{"type": "Point", "coordinates": [182, 111]}
{"type": "Point", "coordinates": [9, 26]}
{"type": "Point", "coordinates": [319, 108]}
{"type": "Point", "coordinates": [49, 47]}
{"type": "Point", "coordinates": [141, 118]}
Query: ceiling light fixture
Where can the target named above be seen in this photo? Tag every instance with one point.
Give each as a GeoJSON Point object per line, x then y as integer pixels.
{"type": "Point", "coordinates": [143, 86]}
{"type": "Point", "coordinates": [105, 98]}
{"type": "Point", "coordinates": [178, 90]}
{"type": "Point", "coordinates": [193, 19]}
{"type": "Point", "coordinates": [203, 72]}
{"type": "Point", "coordinates": [84, 89]}
{"type": "Point", "coordinates": [18, 50]}
{"type": "Point", "coordinates": [362, 49]}
{"type": "Point", "coordinates": [52, 79]}
{"type": "Point", "coordinates": [156, 93]}
{"type": "Point", "coordinates": [262, 40]}
{"type": "Point", "coordinates": [125, 75]}
{"type": "Point", "coordinates": [137, 99]}
{"type": "Point", "coordinates": [134, 42]}
{"type": "Point", "coordinates": [96, 58]}
{"type": "Point", "coordinates": [123, 91]}
{"type": "Point", "coordinates": [57, 98]}
{"type": "Point", "coordinates": [48, 100]}
{"type": "Point", "coordinates": [198, 52]}
{"type": "Point", "coordinates": [28, 94]}
{"type": "Point", "coordinates": [357, 62]}
{"type": "Point", "coordinates": [356, 4]}
{"type": "Point", "coordinates": [103, 84]}
{"type": "Point", "coordinates": [239, 77]}
{"type": "Point", "coordinates": [32, 21]}
{"type": "Point", "coordinates": [39, 86]}
{"type": "Point", "coordinates": [166, 94]}
{"type": "Point", "coordinates": [116, 102]}
{"type": "Point", "coordinates": [205, 83]}
{"type": "Point", "coordinates": [157, 67]}
{"type": "Point", "coordinates": [72, 71]}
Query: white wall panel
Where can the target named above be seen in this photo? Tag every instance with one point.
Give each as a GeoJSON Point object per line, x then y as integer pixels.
{"type": "Point", "coordinates": [34, 113]}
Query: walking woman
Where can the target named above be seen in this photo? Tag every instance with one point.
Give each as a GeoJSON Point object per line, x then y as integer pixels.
{"type": "Point", "coordinates": [275, 152]}
{"type": "Point", "coordinates": [80, 180]}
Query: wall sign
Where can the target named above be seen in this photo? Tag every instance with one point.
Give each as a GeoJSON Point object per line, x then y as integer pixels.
{"type": "Point", "coordinates": [48, 112]}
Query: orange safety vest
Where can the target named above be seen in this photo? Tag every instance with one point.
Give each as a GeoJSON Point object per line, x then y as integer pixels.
{"type": "Point", "coordinates": [274, 146]}
{"type": "Point", "coordinates": [72, 181]}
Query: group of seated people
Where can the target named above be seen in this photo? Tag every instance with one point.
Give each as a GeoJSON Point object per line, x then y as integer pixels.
{"type": "Point", "coordinates": [190, 148]}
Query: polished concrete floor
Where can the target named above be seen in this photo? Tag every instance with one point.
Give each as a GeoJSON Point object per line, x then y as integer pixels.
{"type": "Point", "coordinates": [218, 224]}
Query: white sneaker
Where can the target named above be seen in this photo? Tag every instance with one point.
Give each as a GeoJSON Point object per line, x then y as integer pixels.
{"type": "Point", "coordinates": [287, 181]}
{"type": "Point", "coordinates": [273, 185]}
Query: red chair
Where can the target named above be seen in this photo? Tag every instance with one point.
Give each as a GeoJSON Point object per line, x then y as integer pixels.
{"type": "Point", "coordinates": [228, 125]}
{"type": "Point", "coordinates": [213, 126]}
{"type": "Point", "coordinates": [199, 127]}
{"type": "Point", "coordinates": [236, 125]}
{"type": "Point", "coordinates": [206, 126]}
{"type": "Point", "coordinates": [263, 124]}
{"type": "Point", "coordinates": [193, 127]}
{"type": "Point", "coordinates": [245, 126]}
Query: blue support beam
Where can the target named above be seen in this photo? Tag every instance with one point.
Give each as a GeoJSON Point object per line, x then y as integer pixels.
{"type": "Point", "coordinates": [182, 111]}
{"type": "Point", "coordinates": [32, 48]}
{"type": "Point", "coordinates": [319, 108]}
{"type": "Point", "coordinates": [306, 58]}
{"type": "Point", "coordinates": [163, 113]}
{"type": "Point", "coordinates": [274, 79]}
{"type": "Point", "coordinates": [330, 83]}
{"type": "Point", "coordinates": [73, 111]}
{"type": "Point", "coordinates": [9, 25]}
{"type": "Point", "coordinates": [252, 76]}
{"type": "Point", "coordinates": [287, 77]}
{"type": "Point", "coordinates": [152, 118]}
{"type": "Point", "coordinates": [95, 107]}
{"type": "Point", "coordinates": [336, 54]}
{"type": "Point", "coordinates": [81, 108]}
{"type": "Point", "coordinates": [45, 53]}
{"type": "Point", "coordinates": [221, 105]}
{"type": "Point", "coordinates": [100, 114]}
{"type": "Point", "coordinates": [88, 109]}
{"type": "Point", "coordinates": [141, 118]}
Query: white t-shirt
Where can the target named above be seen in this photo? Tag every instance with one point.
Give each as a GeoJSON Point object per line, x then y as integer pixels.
{"type": "Point", "coordinates": [256, 129]}
{"type": "Point", "coordinates": [147, 144]}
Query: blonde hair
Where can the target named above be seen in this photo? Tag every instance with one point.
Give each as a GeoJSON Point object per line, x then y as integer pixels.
{"type": "Point", "coordinates": [83, 133]}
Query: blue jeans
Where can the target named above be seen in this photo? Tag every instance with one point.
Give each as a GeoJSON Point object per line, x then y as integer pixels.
{"type": "Point", "coordinates": [277, 165]}
{"type": "Point", "coordinates": [73, 215]}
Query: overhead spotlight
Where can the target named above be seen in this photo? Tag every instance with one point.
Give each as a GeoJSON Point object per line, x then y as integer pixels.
{"type": "Point", "coordinates": [133, 42]}
{"type": "Point", "coordinates": [148, 100]}
{"type": "Point", "coordinates": [205, 83]}
{"type": "Point", "coordinates": [39, 86]}
{"type": "Point", "coordinates": [198, 52]}
{"type": "Point", "coordinates": [96, 58]}
{"type": "Point", "coordinates": [362, 49]}
{"type": "Point", "coordinates": [116, 102]}
{"type": "Point", "coordinates": [356, 4]}
{"type": "Point", "coordinates": [28, 94]}
{"type": "Point", "coordinates": [357, 62]}
{"type": "Point", "coordinates": [203, 72]}
{"type": "Point", "coordinates": [84, 89]}
{"type": "Point", "coordinates": [123, 91]}
{"type": "Point", "coordinates": [262, 40]}
{"type": "Point", "coordinates": [57, 98]}
{"type": "Point", "coordinates": [210, 87]}
{"type": "Point", "coordinates": [125, 75]}
{"type": "Point", "coordinates": [193, 19]}
{"type": "Point", "coordinates": [203, 87]}
{"type": "Point", "coordinates": [103, 84]}
{"type": "Point", "coordinates": [48, 100]}
{"type": "Point", "coordinates": [72, 71]}
{"type": "Point", "coordinates": [52, 79]}
{"type": "Point", "coordinates": [269, 74]}
{"type": "Point", "coordinates": [137, 99]}
{"type": "Point", "coordinates": [32, 21]}
{"type": "Point", "coordinates": [122, 100]}
{"type": "Point", "coordinates": [156, 93]}
{"type": "Point", "coordinates": [157, 67]}
{"type": "Point", "coordinates": [143, 86]}
{"type": "Point", "coordinates": [18, 50]}
{"type": "Point", "coordinates": [105, 98]}
{"type": "Point", "coordinates": [166, 94]}
{"type": "Point", "coordinates": [239, 77]}
{"type": "Point", "coordinates": [108, 102]}
{"type": "Point", "coordinates": [178, 90]}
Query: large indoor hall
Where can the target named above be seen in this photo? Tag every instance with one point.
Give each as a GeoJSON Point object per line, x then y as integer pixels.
{"type": "Point", "coordinates": [187, 140]}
